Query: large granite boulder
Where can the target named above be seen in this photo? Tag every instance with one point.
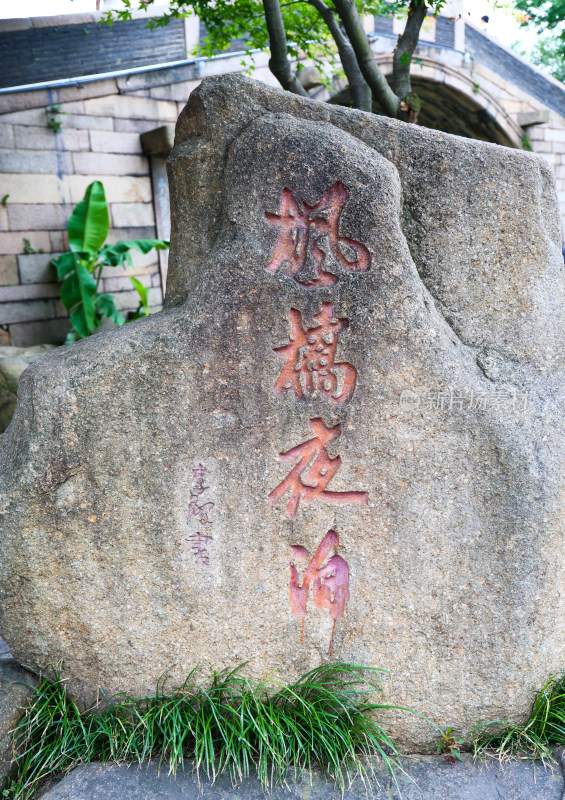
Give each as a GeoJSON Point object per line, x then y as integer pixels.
{"type": "Point", "coordinates": [359, 371]}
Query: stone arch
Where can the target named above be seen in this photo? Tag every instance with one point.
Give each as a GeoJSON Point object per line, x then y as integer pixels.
{"type": "Point", "coordinates": [453, 102]}
{"type": "Point", "coordinates": [446, 108]}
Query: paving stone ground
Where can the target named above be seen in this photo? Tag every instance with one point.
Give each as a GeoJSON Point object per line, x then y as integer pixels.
{"type": "Point", "coordinates": [428, 778]}
{"type": "Point", "coordinates": [15, 690]}
{"type": "Point", "coordinates": [4, 651]}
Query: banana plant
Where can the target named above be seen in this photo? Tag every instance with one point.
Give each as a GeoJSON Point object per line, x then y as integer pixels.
{"type": "Point", "coordinates": [80, 270]}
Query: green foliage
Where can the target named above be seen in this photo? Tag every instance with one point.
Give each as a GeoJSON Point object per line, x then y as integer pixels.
{"type": "Point", "coordinates": [143, 307]}
{"type": "Point", "coordinates": [4, 200]}
{"type": "Point", "coordinates": [80, 270]}
{"type": "Point", "coordinates": [413, 101]}
{"type": "Point", "coordinates": [544, 729]}
{"type": "Point", "coordinates": [29, 249]}
{"type": "Point", "coordinates": [224, 724]}
{"type": "Point", "coordinates": [548, 19]}
{"type": "Point", "coordinates": [543, 14]}
{"type": "Point", "coordinates": [526, 143]}
{"type": "Point", "coordinates": [449, 746]}
{"type": "Point", "coordinates": [89, 223]}
{"type": "Point", "coordinates": [53, 117]}
{"type": "Point", "coordinates": [243, 21]}
{"type": "Point", "coordinates": [548, 52]}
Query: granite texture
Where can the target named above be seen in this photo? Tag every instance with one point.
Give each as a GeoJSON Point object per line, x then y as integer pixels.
{"type": "Point", "coordinates": [370, 290]}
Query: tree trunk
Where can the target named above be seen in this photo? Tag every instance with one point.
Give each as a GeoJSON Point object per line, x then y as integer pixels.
{"type": "Point", "coordinates": [402, 60]}
{"type": "Point", "coordinates": [358, 86]}
{"type": "Point", "coordinates": [380, 89]}
{"type": "Point", "coordinates": [279, 63]}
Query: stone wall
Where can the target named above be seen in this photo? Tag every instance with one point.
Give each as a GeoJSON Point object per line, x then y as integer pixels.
{"type": "Point", "coordinates": [46, 173]}
{"type": "Point", "coordinates": [32, 52]}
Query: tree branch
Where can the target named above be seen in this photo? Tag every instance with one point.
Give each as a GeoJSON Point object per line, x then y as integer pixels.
{"type": "Point", "coordinates": [358, 86]}
{"type": "Point", "coordinates": [402, 58]}
{"type": "Point", "coordinates": [279, 63]}
{"type": "Point", "coordinates": [382, 92]}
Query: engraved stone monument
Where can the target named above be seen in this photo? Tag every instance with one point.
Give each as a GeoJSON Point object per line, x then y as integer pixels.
{"type": "Point", "coordinates": [358, 374]}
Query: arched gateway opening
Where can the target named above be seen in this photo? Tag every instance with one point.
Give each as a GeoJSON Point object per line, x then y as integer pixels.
{"type": "Point", "coordinates": [445, 108]}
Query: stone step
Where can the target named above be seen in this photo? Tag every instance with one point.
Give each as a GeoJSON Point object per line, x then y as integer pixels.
{"type": "Point", "coordinates": [427, 778]}
{"type": "Point", "coordinates": [5, 654]}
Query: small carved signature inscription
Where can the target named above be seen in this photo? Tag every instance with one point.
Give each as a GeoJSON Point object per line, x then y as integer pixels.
{"type": "Point", "coordinates": [302, 228]}
{"type": "Point", "coordinates": [310, 359]}
{"type": "Point", "coordinates": [329, 581]}
{"type": "Point", "coordinates": [322, 470]}
{"type": "Point", "coordinates": [200, 513]}
{"type": "Point", "coordinates": [198, 542]}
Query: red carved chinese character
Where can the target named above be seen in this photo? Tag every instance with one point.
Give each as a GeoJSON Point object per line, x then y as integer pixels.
{"type": "Point", "coordinates": [310, 358]}
{"type": "Point", "coordinates": [322, 470]}
{"type": "Point", "coordinates": [301, 227]}
{"type": "Point", "coordinates": [330, 582]}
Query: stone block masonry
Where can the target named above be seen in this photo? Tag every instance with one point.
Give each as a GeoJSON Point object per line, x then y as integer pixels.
{"type": "Point", "coordinates": [69, 189]}
{"type": "Point", "coordinates": [36, 268]}
{"type": "Point", "coordinates": [8, 270]}
{"type": "Point", "coordinates": [44, 173]}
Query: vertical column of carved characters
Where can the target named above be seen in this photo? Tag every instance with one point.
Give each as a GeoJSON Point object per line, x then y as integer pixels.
{"type": "Point", "coordinates": [311, 370]}
{"type": "Point", "coordinates": [200, 513]}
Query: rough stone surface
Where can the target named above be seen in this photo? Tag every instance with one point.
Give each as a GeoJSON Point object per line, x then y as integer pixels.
{"type": "Point", "coordinates": [13, 361]}
{"type": "Point", "coordinates": [15, 688]}
{"type": "Point", "coordinates": [425, 779]}
{"type": "Point", "coordinates": [453, 426]}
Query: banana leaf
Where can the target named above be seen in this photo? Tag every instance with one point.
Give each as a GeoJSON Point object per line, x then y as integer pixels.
{"type": "Point", "coordinates": [78, 294]}
{"type": "Point", "coordinates": [143, 292]}
{"type": "Point", "coordinates": [117, 255]}
{"type": "Point", "coordinates": [107, 308]}
{"type": "Point", "coordinates": [89, 223]}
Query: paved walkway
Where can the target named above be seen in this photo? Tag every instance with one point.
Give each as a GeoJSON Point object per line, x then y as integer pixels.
{"type": "Point", "coordinates": [4, 650]}
{"type": "Point", "coordinates": [428, 778]}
